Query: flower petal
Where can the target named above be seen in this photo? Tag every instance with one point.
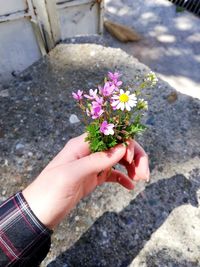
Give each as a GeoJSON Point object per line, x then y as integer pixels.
{"type": "Point", "coordinates": [119, 83]}
{"type": "Point", "coordinates": [74, 95]}
{"type": "Point", "coordinates": [118, 106]}
{"type": "Point", "coordinates": [132, 103]}
{"type": "Point", "coordinates": [121, 106]}
{"type": "Point", "coordinates": [127, 106]}
{"type": "Point", "coordinates": [121, 91]}
{"type": "Point", "coordinates": [115, 103]}
{"type": "Point", "coordinates": [132, 96]}
{"type": "Point", "coordinates": [115, 97]}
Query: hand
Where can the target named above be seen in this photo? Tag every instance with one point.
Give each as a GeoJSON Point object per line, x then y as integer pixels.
{"type": "Point", "coordinates": [75, 172]}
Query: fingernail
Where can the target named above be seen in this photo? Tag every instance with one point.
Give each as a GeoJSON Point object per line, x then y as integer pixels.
{"type": "Point", "coordinates": [148, 180]}
{"type": "Point", "coordinates": [148, 176]}
{"type": "Point", "coordinates": [130, 158]}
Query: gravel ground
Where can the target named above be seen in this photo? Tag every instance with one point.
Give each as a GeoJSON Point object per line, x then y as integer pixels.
{"type": "Point", "coordinates": [156, 224]}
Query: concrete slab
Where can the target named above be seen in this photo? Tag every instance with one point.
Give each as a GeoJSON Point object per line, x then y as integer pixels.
{"type": "Point", "coordinates": [35, 124]}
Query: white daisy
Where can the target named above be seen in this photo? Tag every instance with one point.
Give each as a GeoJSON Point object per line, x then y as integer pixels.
{"type": "Point", "coordinates": [124, 100]}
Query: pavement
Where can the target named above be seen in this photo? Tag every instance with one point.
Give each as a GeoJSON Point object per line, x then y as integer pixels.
{"type": "Point", "coordinates": [156, 224]}
{"type": "Point", "coordinates": [170, 43]}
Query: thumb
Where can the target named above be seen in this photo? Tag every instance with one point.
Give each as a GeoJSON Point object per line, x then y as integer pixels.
{"type": "Point", "coordinates": [99, 161]}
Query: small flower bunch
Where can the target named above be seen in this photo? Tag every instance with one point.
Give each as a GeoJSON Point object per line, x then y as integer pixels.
{"type": "Point", "coordinates": [114, 111]}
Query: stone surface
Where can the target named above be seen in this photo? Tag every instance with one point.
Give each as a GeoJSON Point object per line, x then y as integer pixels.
{"type": "Point", "coordinates": [4, 93]}
{"type": "Point", "coordinates": [129, 226]}
{"type": "Point", "coordinates": [74, 119]}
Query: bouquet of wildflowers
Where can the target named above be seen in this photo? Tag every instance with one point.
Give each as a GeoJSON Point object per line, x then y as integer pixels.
{"type": "Point", "coordinates": [113, 112]}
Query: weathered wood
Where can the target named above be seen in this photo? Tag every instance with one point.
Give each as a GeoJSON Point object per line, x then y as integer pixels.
{"type": "Point", "coordinates": [9, 6]}
{"type": "Point", "coordinates": [31, 28]}
{"type": "Point", "coordinates": [80, 17]}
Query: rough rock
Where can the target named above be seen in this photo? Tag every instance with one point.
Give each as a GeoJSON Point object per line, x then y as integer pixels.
{"type": "Point", "coordinates": [73, 119]}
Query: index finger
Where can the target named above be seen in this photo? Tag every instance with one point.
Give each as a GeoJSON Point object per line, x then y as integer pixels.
{"type": "Point", "coordinates": [75, 148]}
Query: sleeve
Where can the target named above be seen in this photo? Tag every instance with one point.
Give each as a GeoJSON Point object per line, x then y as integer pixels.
{"type": "Point", "coordinates": [24, 240]}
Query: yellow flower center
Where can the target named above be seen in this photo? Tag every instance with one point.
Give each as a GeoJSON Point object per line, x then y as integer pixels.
{"type": "Point", "coordinates": [123, 98]}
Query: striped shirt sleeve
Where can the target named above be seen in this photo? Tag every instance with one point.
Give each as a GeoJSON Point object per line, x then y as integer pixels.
{"type": "Point", "coordinates": [24, 240]}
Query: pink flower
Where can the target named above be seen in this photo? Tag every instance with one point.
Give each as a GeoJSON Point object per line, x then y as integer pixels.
{"type": "Point", "coordinates": [78, 95]}
{"type": "Point", "coordinates": [106, 128]}
{"type": "Point", "coordinates": [96, 110]}
{"type": "Point", "coordinates": [99, 100]}
{"type": "Point", "coordinates": [113, 104]}
{"type": "Point", "coordinates": [108, 89]}
{"type": "Point", "coordinates": [92, 94]}
{"type": "Point", "coordinates": [117, 83]}
{"type": "Point", "coordinates": [114, 79]}
{"type": "Point", "coordinates": [113, 76]}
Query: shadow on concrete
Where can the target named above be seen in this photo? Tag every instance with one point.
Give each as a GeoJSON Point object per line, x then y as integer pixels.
{"type": "Point", "coordinates": [170, 41]}
{"type": "Point", "coordinates": [115, 239]}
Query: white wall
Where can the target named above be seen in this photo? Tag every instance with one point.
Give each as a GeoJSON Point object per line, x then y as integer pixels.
{"type": "Point", "coordinates": [18, 47]}
{"type": "Point", "coordinates": [30, 28]}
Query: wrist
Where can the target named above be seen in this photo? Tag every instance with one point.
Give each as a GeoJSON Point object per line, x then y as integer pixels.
{"type": "Point", "coordinates": [45, 206]}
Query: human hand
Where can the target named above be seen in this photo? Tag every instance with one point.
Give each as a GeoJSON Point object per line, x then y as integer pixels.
{"type": "Point", "coordinates": [75, 172]}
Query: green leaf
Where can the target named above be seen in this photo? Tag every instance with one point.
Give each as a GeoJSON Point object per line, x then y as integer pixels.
{"type": "Point", "coordinates": [97, 145]}
{"type": "Point", "coordinates": [135, 128]}
{"type": "Point", "coordinates": [112, 143]}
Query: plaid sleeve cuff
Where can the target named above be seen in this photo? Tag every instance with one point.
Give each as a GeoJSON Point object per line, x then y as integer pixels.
{"type": "Point", "coordinates": [24, 240]}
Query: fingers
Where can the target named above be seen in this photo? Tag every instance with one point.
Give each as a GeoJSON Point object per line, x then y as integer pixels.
{"type": "Point", "coordinates": [103, 175]}
{"type": "Point", "coordinates": [130, 168]}
{"type": "Point", "coordinates": [96, 162]}
{"type": "Point", "coordinates": [77, 147]}
{"type": "Point", "coordinates": [129, 151]}
{"type": "Point", "coordinates": [121, 178]}
{"type": "Point", "coordinates": [138, 168]}
{"type": "Point", "coordinates": [141, 163]}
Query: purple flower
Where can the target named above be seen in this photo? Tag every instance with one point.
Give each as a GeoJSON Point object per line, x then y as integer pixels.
{"type": "Point", "coordinates": [78, 95]}
{"type": "Point", "coordinates": [106, 128]}
{"type": "Point", "coordinates": [108, 89]}
{"type": "Point", "coordinates": [114, 79]}
{"type": "Point", "coordinates": [113, 76]}
{"type": "Point", "coordinates": [99, 100]}
{"type": "Point", "coordinates": [117, 83]}
{"type": "Point", "coordinates": [96, 110]}
{"type": "Point", "coordinates": [112, 103]}
{"type": "Point", "coordinates": [92, 94]}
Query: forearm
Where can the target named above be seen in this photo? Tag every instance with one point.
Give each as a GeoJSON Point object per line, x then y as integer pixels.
{"type": "Point", "coordinates": [24, 240]}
